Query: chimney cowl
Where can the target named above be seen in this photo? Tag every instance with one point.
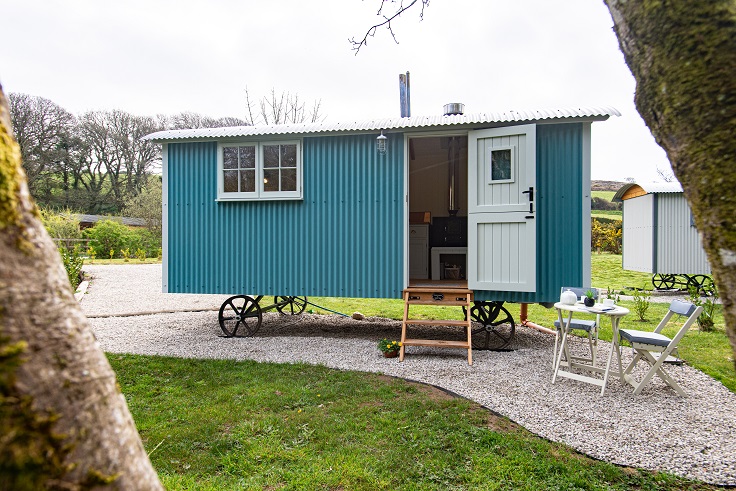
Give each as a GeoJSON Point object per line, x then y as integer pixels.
{"type": "Point", "coordinates": [454, 108]}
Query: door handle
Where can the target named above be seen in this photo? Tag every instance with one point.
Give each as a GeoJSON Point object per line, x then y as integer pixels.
{"type": "Point", "coordinates": [530, 192]}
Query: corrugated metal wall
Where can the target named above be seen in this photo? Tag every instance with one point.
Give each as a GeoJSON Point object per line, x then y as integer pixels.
{"type": "Point", "coordinates": [638, 234]}
{"type": "Point", "coordinates": [679, 249]}
{"type": "Point", "coordinates": [559, 204]}
{"type": "Point", "coordinates": [344, 239]}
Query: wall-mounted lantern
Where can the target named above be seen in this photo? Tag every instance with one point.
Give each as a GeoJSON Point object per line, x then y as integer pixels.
{"type": "Point", "coordinates": [381, 143]}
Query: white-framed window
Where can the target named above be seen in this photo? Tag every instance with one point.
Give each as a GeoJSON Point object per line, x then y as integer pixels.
{"type": "Point", "coordinates": [259, 170]}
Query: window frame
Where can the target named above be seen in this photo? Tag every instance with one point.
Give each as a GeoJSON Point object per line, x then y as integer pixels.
{"type": "Point", "coordinates": [260, 194]}
{"type": "Point", "coordinates": [512, 162]}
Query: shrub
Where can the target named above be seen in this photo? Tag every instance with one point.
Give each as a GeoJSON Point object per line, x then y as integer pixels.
{"type": "Point", "coordinates": [641, 303]}
{"type": "Point", "coordinates": [147, 240]}
{"type": "Point", "coordinates": [107, 236]}
{"type": "Point", "coordinates": [140, 254]}
{"type": "Point", "coordinates": [706, 319]}
{"type": "Point", "coordinates": [605, 237]}
{"type": "Point", "coordinates": [73, 263]}
{"type": "Point", "coordinates": [62, 225]}
{"type": "Point", "coordinates": [126, 254]}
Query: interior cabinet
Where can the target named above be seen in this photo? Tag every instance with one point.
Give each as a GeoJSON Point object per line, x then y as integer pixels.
{"type": "Point", "coordinates": [419, 251]}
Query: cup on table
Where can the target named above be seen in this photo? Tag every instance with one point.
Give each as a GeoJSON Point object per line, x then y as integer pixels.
{"type": "Point", "coordinates": [608, 302]}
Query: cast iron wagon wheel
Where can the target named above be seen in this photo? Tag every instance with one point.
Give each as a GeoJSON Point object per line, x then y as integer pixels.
{"type": "Point", "coordinates": [295, 305]}
{"type": "Point", "coordinates": [497, 325]}
{"type": "Point", "coordinates": [663, 281]}
{"type": "Point", "coordinates": [240, 312]}
{"type": "Point", "coordinates": [703, 284]}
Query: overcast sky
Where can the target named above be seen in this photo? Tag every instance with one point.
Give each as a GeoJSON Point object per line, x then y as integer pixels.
{"type": "Point", "coordinates": [152, 57]}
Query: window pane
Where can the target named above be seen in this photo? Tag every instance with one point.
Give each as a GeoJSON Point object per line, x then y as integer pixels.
{"type": "Point", "coordinates": [247, 181]}
{"type": "Point", "coordinates": [230, 157]}
{"type": "Point", "coordinates": [270, 155]}
{"type": "Point", "coordinates": [288, 155]}
{"type": "Point", "coordinates": [288, 179]}
{"type": "Point", "coordinates": [500, 165]}
{"type": "Point", "coordinates": [271, 180]}
{"type": "Point", "coordinates": [247, 157]}
{"type": "Point", "coordinates": [231, 181]}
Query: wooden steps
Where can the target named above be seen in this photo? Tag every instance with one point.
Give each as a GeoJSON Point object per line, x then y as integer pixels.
{"type": "Point", "coordinates": [441, 296]}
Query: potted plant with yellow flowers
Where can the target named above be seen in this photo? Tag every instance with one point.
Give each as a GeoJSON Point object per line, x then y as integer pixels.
{"type": "Point", "coordinates": [390, 349]}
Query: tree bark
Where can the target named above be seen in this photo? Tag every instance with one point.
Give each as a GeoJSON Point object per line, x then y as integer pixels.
{"type": "Point", "coordinates": [59, 400]}
{"type": "Point", "coordinates": [683, 57]}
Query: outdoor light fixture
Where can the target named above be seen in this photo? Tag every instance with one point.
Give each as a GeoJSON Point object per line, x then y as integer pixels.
{"type": "Point", "coordinates": [381, 143]}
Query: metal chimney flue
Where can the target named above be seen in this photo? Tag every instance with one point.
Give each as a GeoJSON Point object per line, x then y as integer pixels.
{"type": "Point", "coordinates": [454, 109]}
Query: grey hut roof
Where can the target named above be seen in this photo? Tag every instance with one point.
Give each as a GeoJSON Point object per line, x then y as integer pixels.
{"type": "Point", "coordinates": [648, 188]}
{"type": "Point", "coordinates": [131, 221]}
{"type": "Point", "coordinates": [583, 113]}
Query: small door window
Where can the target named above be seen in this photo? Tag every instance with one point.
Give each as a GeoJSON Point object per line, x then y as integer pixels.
{"type": "Point", "coordinates": [501, 165]}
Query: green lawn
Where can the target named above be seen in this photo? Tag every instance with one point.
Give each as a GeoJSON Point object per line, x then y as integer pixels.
{"type": "Point", "coordinates": [214, 425]}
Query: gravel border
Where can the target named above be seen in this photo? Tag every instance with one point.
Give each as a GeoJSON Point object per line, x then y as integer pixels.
{"type": "Point", "coordinates": [694, 437]}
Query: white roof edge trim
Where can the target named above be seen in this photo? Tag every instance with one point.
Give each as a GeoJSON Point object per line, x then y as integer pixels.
{"type": "Point", "coordinates": [598, 113]}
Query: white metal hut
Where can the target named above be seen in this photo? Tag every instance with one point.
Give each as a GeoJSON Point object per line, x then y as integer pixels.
{"type": "Point", "coordinates": [659, 233]}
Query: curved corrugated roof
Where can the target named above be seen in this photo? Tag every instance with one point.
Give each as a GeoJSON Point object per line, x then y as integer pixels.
{"type": "Point", "coordinates": [649, 188]}
{"type": "Point", "coordinates": [596, 113]}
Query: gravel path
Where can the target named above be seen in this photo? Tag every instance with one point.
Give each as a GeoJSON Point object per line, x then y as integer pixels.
{"type": "Point", "coordinates": [693, 437]}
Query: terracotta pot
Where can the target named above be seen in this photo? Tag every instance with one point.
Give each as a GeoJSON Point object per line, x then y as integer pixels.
{"type": "Point", "coordinates": [391, 354]}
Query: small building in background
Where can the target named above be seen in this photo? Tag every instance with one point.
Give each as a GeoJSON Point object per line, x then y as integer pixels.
{"type": "Point", "coordinates": [659, 233]}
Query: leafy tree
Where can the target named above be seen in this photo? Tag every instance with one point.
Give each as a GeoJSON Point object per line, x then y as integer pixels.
{"type": "Point", "coordinates": [114, 141]}
{"type": "Point", "coordinates": [63, 420]}
{"type": "Point", "coordinates": [41, 128]}
{"type": "Point", "coordinates": [147, 205]}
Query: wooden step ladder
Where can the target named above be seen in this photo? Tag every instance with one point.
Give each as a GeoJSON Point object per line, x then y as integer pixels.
{"type": "Point", "coordinates": [441, 297]}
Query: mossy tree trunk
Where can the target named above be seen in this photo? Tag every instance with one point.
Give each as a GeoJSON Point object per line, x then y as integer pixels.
{"type": "Point", "coordinates": [683, 56]}
{"type": "Point", "coordinates": [63, 420]}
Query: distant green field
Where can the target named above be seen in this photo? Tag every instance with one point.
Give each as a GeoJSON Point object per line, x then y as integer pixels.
{"type": "Point", "coordinates": [607, 195]}
{"type": "Point", "coordinates": [614, 214]}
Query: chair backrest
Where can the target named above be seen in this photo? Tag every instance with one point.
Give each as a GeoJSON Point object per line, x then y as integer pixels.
{"type": "Point", "coordinates": [682, 308]}
{"type": "Point", "coordinates": [579, 292]}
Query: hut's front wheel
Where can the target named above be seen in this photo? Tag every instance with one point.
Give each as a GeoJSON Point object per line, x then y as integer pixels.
{"type": "Point", "coordinates": [663, 281]}
{"type": "Point", "coordinates": [240, 313]}
{"type": "Point", "coordinates": [496, 328]}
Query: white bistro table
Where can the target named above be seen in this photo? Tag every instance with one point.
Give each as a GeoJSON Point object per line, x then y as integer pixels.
{"type": "Point", "coordinates": [615, 313]}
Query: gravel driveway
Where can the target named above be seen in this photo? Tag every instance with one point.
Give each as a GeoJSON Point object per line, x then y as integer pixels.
{"type": "Point", "coordinates": [693, 436]}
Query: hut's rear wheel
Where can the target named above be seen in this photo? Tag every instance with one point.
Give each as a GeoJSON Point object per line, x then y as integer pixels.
{"type": "Point", "coordinates": [496, 328]}
{"type": "Point", "coordinates": [290, 305]}
{"type": "Point", "coordinates": [703, 284]}
{"type": "Point", "coordinates": [240, 313]}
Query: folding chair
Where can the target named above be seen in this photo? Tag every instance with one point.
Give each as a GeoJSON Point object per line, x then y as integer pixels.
{"type": "Point", "coordinates": [590, 327]}
{"type": "Point", "coordinates": [645, 343]}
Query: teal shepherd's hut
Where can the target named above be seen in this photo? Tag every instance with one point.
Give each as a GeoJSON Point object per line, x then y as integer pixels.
{"type": "Point", "coordinates": [497, 203]}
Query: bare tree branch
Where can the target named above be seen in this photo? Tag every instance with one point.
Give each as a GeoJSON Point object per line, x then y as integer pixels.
{"type": "Point", "coordinates": [280, 108]}
{"type": "Point", "coordinates": [387, 22]}
{"type": "Point", "coordinates": [665, 175]}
